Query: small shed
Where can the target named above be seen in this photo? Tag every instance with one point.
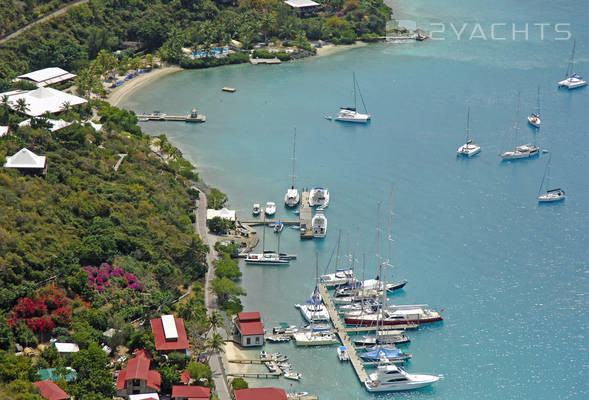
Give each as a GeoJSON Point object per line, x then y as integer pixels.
{"type": "Point", "coordinates": [249, 329]}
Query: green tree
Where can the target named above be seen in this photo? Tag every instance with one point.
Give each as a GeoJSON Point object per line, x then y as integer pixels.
{"type": "Point", "coordinates": [216, 343]}
{"type": "Point", "coordinates": [200, 372]}
{"type": "Point", "coordinates": [93, 371]}
{"type": "Point", "coordinates": [239, 383]}
{"type": "Point", "coordinates": [216, 199]}
{"type": "Point", "coordinates": [170, 377]}
{"type": "Point", "coordinates": [14, 367]}
{"type": "Point", "coordinates": [21, 106]}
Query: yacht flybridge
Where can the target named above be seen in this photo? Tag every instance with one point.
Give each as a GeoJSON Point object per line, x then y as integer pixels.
{"type": "Point", "coordinates": [391, 378]}
{"type": "Point", "coordinates": [319, 197]}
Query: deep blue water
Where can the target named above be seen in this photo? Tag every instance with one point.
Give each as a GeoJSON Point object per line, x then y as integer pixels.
{"type": "Point", "coordinates": [468, 235]}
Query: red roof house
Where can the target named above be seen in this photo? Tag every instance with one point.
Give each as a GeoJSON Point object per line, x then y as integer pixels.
{"type": "Point", "coordinates": [169, 334]}
{"type": "Point", "coordinates": [260, 394]}
{"type": "Point", "coordinates": [137, 378]}
{"type": "Point", "coordinates": [51, 391]}
{"type": "Point", "coordinates": [181, 392]}
{"type": "Point", "coordinates": [250, 329]}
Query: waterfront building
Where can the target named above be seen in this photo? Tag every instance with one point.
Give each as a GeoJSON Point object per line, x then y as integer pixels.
{"type": "Point", "coordinates": [47, 76]}
{"type": "Point", "coordinates": [260, 394]}
{"type": "Point", "coordinates": [249, 329]}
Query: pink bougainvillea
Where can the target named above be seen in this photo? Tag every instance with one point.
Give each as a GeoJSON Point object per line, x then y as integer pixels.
{"type": "Point", "coordinates": [100, 277]}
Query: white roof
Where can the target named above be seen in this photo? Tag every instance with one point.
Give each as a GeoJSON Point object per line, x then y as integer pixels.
{"type": "Point", "coordinates": [25, 158]}
{"type": "Point", "coordinates": [301, 3]}
{"type": "Point", "coordinates": [48, 76]}
{"type": "Point", "coordinates": [169, 323]}
{"type": "Point", "coordinates": [42, 100]}
{"type": "Point", "coordinates": [144, 396]}
{"type": "Point", "coordinates": [57, 124]}
{"type": "Point", "coordinates": [3, 130]}
{"type": "Point", "coordinates": [67, 347]}
{"type": "Point", "coordinates": [223, 213]}
{"type": "Point", "coordinates": [96, 127]}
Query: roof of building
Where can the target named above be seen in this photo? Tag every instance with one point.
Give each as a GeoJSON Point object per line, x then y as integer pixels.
{"type": "Point", "coordinates": [50, 373]}
{"type": "Point", "coordinates": [48, 76]}
{"type": "Point", "coordinates": [249, 316]}
{"type": "Point", "coordinates": [61, 347]}
{"type": "Point", "coordinates": [144, 396]}
{"type": "Point", "coordinates": [56, 124]}
{"type": "Point", "coordinates": [191, 392]}
{"type": "Point", "coordinates": [301, 3]}
{"type": "Point", "coordinates": [222, 213]}
{"type": "Point", "coordinates": [251, 328]}
{"type": "Point", "coordinates": [161, 343]}
{"type": "Point", "coordinates": [260, 394]}
{"type": "Point", "coordinates": [42, 100]}
{"type": "Point", "coordinates": [51, 391]}
{"type": "Point", "coordinates": [25, 158]}
{"type": "Point", "coordinates": [138, 368]}
{"type": "Point", "coordinates": [3, 130]}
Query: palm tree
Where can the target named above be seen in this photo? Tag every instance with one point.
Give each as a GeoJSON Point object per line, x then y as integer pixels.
{"type": "Point", "coordinates": [4, 101]}
{"type": "Point", "coordinates": [66, 106]}
{"type": "Point", "coordinates": [22, 106]}
{"type": "Point", "coordinates": [215, 321]}
{"type": "Point", "coordinates": [216, 343]}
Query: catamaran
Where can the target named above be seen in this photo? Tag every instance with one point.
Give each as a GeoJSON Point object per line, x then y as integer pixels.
{"type": "Point", "coordinates": [523, 151]}
{"type": "Point", "coordinates": [534, 118]}
{"type": "Point", "coordinates": [267, 257]}
{"type": "Point", "coordinates": [351, 114]}
{"type": "Point", "coordinates": [551, 195]}
{"type": "Point", "coordinates": [292, 197]}
{"type": "Point", "coordinates": [319, 225]}
{"type": "Point", "coordinates": [572, 79]}
{"type": "Point", "coordinates": [469, 148]}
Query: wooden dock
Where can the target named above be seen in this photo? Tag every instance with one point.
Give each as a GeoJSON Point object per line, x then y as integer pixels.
{"type": "Point", "coordinates": [156, 116]}
{"type": "Point", "coordinates": [257, 222]}
{"type": "Point", "coordinates": [256, 61]}
{"type": "Point", "coordinates": [340, 328]}
{"type": "Point", "coordinates": [305, 216]}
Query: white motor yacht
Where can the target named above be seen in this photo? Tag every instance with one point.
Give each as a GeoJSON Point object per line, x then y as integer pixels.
{"type": "Point", "coordinates": [392, 378]}
{"type": "Point", "coordinates": [312, 338]}
{"type": "Point", "coordinates": [270, 208]}
{"type": "Point", "coordinates": [256, 209]}
{"type": "Point", "coordinates": [523, 151]}
{"type": "Point", "coordinates": [342, 353]}
{"type": "Point", "coordinates": [319, 225]}
{"type": "Point", "coordinates": [319, 197]}
{"type": "Point", "coordinates": [340, 277]}
{"type": "Point", "coordinates": [266, 259]}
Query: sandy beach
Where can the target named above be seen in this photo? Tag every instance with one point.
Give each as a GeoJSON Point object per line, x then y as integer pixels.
{"type": "Point", "coordinates": [117, 95]}
{"type": "Point", "coordinates": [330, 49]}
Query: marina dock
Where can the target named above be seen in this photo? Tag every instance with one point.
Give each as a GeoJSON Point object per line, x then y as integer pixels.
{"type": "Point", "coordinates": [256, 61]}
{"type": "Point", "coordinates": [340, 328]}
{"type": "Point", "coordinates": [194, 116]}
{"type": "Point", "coordinates": [305, 216]}
{"type": "Point", "coordinates": [382, 328]}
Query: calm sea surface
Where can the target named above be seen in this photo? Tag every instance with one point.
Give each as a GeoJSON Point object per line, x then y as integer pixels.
{"type": "Point", "coordinates": [468, 235]}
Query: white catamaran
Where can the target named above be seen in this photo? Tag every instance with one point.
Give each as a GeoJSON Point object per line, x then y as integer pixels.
{"type": "Point", "coordinates": [351, 114]}
{"type": "Point", "coordinates": [292, 198]}
{"type": "Point", "coordinates": [551, 195]}
{"type": "Point", "coordinates": [572, 79]}
{"type": "Point", "coordinates": [469, 148]}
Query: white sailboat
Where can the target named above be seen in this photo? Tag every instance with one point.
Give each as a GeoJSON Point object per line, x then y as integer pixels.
{"type": "Point", "coordinates": [522, 151]}
{"type": "Point", "coordinates": [551, 195]}
{"type": "Point", "coordinates": [292, 197]}
{"type": "Point", "coordinates": [469, 148]}
{"type": "Point", "coordinates": [351, 114]}
{"type": "Point", "coordinates": [534, 118]}
{"type": "Point", "coordinates": [319, 225]}
{"type": "Point", "coordinates": [572, 79]}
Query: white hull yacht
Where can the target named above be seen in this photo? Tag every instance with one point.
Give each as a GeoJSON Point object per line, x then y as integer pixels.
{"type": "Point", "coordinates": [270, 208]}
{"type": "Point", "coordinates": [340, 277]}
{"type": "Point", "coordinates": [256, 210]}
{"type": "Point", "coordinates": [319, 225]}
{"type": "Point", "coordinates": [292, 197]}
{"type": "Point", "coordinates": [572, 79]}
{"type": "Point", "coordinates": [319, 197]}
{"type": "Point", "coordinates": [266, 259]}
{"type": "Point", "coordinates": [313, 312]}
{"type": "Point", "coordinates": [522, 151]}
{"type": "Point", "coordinates": [469, 148]}
{"type": "Point", "coordinates": [551, 195]}
{"type": "Point", "coordinates": [311, 338]}
{"type": "Point", "coordinates": [351, 114]}
{"type": "Point", "coordinates": [391, 378]}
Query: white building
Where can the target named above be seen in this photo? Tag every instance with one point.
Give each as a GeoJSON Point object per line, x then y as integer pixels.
{"type": "Point", "coordinates": [66, 348]}
{"type": "Point", "coordinates": [42, 100]}
{"type": "Point", "coordinates": [222, 213]}
{"type": "Point", "coordinates": [27, 161]}
{"type": "Point", "coordinates": [47, 76]}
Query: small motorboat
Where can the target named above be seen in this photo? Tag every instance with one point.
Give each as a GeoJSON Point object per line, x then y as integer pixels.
{"type": "Point", "coordinates": [278, 226]}
{"type": "Point", "coordinates": [264, 355]}
{"type": "Point", "coordinates": [270, 208]}
{"type": "Point", "coordinates": [420, 37]}
{"type": "Point", "coordinates": [296, 395]}
{"type": "Point", "coordinates": [279, 338]}
{"type": "Point", "coordinates": [342, 353]}
{"type": "Point", "coordinates": [256, 209]}
{"type": "Point", "coordinates": [295, 376]}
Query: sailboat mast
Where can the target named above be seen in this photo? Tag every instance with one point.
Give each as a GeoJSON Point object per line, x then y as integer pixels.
{"type": "Point", "coordinates": [354, 83]}
{"type": "Point", "coordinates": [572, 71]}
{"type": "Point", "coordinates": [378, 238]}
{"type": "Point", "coordinates": [264, 232]}
{"type": "Point", "coordinates": [294, 146]}
{"type": "Point", "coordinates": [339, 239]}
{"type": "Point", "coordinates": [546, 173]}
{"type": "Point", "coordinates": [538, 102]}
{"type": "Point", "coordinates": [278, 247]}
{"type": "Point", "coordinates": [467, 125]}
{"type": "Point", "coordinates": [516, 125]}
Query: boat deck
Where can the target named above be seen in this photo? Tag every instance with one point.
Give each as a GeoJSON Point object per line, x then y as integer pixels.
{"type": "Point", "coordinates": [340, 328]}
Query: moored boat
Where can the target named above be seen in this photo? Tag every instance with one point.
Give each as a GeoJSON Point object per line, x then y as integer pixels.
{"type": "Point", "coordinates": [256, 210]}
{"type": "Point", "coordinates": [351, 114]}
{"type": "Point", "coordinates": [319, 225]}
{"type": "Point", "coordinates": [395, 315]}
{"type": "Point", "coordinates": [572, 79]}
{"type": "Point", "coordinates": [319, 197]}
{"type": "Point", "coordinates": [266, 259]}
{"type": "Point", "coordinates": [342, 353]}
{"type": "Point", "coordinates": [391, 378]}
{"type": "Point", "coordinates": [270, 208]}
{"type": "Point", "coordinates": [469, 148]}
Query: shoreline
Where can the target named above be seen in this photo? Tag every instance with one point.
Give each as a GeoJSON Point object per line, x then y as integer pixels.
{"type": "Point", "coordinates": [119, 94]}
{"type": "Point", "coordinates": [331, 49]}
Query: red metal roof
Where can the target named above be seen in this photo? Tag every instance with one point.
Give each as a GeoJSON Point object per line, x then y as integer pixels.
{"type": "Point", "coordinates": [260, 394]}
{"type": "Point", "coordinates": [138, 368]}
{"type": "Point", "coordinates": [251, 328]}
{"type": "Point", "coordinates": [160, 339]}
{"type": "Point", "coordinates": [191, 392]}
{"type": "Point", "coordinates": [51, 391]}
{"type": "Point", "coordinates": [249, 316]}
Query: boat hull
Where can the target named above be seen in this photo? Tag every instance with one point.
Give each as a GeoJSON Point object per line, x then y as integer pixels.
{"type": "Point", "coordinates": [419, 321]}
{"type": "Point", "coordinates": [572, 83]}
{"type": "Point", "coordinates": [424, 380]}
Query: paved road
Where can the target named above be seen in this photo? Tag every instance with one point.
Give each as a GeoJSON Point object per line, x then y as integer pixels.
{"type": "Point", "coordinates": [215, 362]}
{"type": "Point", "coordinates": [45, 18]}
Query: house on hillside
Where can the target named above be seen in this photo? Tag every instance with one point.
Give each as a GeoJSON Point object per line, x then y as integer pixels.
{"type": "Point", "coordinates": [47, 76]}
{"type": "Point", "coordinates": [169, 334]}
{"type": "Point", "coordinates": [137, 378]}
{"type": "Point", "coordinates": [249, 329]}
{"type": "Point", "coordinates": [304, 7]}
{"type": "Point", "coordinates": [51, 391]}
{"type": "Point", "coordinates": [182, 392]}
{"type": "Point", "coordinates": [41, 101]}
{"type": "Point", "coordinates": [261, 394]}
{"type": "Point", "coordinates": [27, 162]}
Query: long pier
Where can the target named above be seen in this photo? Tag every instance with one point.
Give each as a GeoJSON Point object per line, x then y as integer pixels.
{"type": "Point", "coordinates": [342, 333]}
{"type": "Point", "coordinates": [192, 117]}
{"type": "Point", "coordinates": [305, 216]}
{"type": "Point", "coordinates": [257, 222]}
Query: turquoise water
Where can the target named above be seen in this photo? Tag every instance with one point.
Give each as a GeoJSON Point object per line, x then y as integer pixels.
{"type": "Point", "coordinates": [468, 235]}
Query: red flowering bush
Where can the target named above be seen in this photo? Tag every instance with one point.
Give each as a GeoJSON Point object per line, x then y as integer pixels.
{"type": "Point", "coordinates": [62, 316]}
{"type": "Point", "coordinates": [26, 308]}
{"type": "Point", "coordinates": [43, 325]}
{"type": "Point", "coordinates": [43, 313]}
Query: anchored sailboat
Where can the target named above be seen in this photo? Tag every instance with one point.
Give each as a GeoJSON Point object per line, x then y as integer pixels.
{"type": "Point", "coordinates": [572, 79]}
{"type": "Point", "coordinates": [351, 114]}
{"type": "Point", "coordinates": [523, 151]}
{"type": "Point", "coordinates": [292, 198]}
{"type": "Point", "coordinates": [551, 195]}
{"type": "Point", "coordinates": [469, 148]}
{"type": "Point", "coordinates": [534, 118]}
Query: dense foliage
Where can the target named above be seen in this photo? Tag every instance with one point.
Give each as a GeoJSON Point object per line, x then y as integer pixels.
{"type": "Point", "coordinates": [16, 14]}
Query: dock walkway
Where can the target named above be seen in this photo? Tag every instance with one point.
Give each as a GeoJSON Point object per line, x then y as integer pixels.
{"type": "Point", "coordinates": [342, 333]}
{"type": "Point", "coordinates": [305, 216]}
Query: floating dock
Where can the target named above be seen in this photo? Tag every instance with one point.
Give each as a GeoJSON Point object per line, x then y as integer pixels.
{"type": "Point", "coordinates": [194, 116]}
{"type": "Point", "coordinates": [256, 61]}
{"type": "Point", "coordinates": [228, 89]}
{"type": "Point", "coordinates": [340, 328]}
{"type": "Point", "coordinates": [305, 216]}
